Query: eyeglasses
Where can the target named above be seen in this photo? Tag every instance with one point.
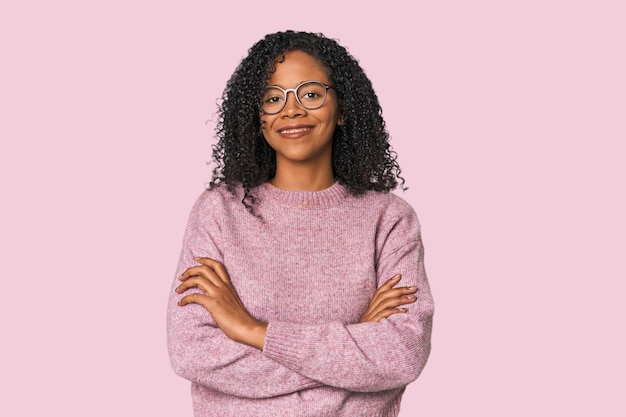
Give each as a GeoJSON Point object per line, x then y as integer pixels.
{"type": "Point", "coordinates": [310, 95]}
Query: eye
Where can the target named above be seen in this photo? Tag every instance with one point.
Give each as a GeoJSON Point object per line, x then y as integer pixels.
{"type": "Point", "coordinates": [312, 92]}
{"type": "Point", "coordinates": [311, 95]}
{"type": "Point", "coordinates": [272, 99]}
{"type": "Point", "coordinates": [273, 96]}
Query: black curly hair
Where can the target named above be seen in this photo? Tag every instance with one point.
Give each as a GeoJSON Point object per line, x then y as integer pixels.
{"type": "Point", "coordinates": [362, 158]}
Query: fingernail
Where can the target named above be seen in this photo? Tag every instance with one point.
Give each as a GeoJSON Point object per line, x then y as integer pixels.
{"type": "Point", "coordinates": [397, 277]}
{"type": "Point", "coordinates": [411, 297]}
{"type": "Point", "coordinates": [404, 310]}
{"type": "Point", "coordinates": [411, 288]}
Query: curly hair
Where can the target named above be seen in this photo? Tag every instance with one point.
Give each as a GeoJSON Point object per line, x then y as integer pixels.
{"type": "Point", "coordinates": [362, 158]}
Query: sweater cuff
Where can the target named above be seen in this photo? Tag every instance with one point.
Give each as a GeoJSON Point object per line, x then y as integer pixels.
{"type": "Point", "coordinates": [283, 343]}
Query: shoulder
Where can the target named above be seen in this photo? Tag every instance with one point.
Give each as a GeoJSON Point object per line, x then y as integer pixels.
{"type": "Point", "coordinates": [207, 219]}
{"type": "Point", "coordinates": [389, 206]}
{"type": "Point", "coordinates": [220, 195]}
{"type": "Point", "coordinates": [394, 219]}
{"type": "Point", "coordinates": [216, 201]}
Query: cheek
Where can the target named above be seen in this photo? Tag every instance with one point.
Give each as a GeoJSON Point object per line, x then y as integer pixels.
{"type": "Point", "coordinates": [265, 121]}
{"type": "Point", "coordinates": [332, 119]}
{"type": "Point", "coordinates": [333, 115]}
{"type": "Point", "coordinates": [265, 129]}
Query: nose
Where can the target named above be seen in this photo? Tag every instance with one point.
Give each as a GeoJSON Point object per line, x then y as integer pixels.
{"type": "Point", "coordinates": [292, 107]}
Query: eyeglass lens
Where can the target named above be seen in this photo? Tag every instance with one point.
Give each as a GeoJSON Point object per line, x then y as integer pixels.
{"type": "Point", "coordinates": [310, 95]}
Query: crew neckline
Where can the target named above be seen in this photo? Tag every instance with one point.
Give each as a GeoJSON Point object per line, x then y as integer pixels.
{"type": "Point", "coordinates": [328, 197]}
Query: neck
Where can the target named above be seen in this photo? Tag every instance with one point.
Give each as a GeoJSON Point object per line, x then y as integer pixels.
{"type": "Point", "coordinates": [303, 177]}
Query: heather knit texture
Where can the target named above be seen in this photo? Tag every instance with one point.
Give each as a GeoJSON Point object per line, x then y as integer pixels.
{"type": "Point", "coordinates": [308, 267]}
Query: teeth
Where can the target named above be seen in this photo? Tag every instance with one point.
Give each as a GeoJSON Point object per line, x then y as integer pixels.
{"type": "Point", "coordinates": [301, 129]}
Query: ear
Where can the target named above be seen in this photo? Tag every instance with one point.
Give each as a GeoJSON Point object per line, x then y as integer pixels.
{"type": "Point", "coordinates": [340, 121]}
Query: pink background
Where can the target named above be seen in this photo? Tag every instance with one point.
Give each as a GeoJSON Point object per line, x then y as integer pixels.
{"type": "Point", "coordinates": [509, 119]}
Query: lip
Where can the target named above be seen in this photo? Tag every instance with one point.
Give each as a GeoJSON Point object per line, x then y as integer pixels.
{"type": "Point", "coordinates": [294, 131]}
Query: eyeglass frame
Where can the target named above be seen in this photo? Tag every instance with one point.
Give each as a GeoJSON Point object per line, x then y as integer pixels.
{"type": "Point", "coordinates": [294, 91]}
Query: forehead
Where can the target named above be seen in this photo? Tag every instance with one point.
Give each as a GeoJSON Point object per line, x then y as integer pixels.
{"type": "Point", "coordinates": [296, 67]}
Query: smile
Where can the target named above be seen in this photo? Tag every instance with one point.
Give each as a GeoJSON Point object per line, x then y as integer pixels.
{"type": "Point", "coordinates": [291, 130]}
{"type": "Point", "coordinates": [294, 132]}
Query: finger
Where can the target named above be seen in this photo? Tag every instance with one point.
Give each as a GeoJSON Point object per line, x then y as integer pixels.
{"type": "Point", "coordinates": [194, 298]}
{"type": "Point", "coordinates": [389, 303]}
{"type": "Point", "coordinates": [395, 292]}
{"type": "Point", "coordinates": [366, 317]}
{"type": "Point", "coordinates": [388, 312]}
{"type": "Point", "coordinates": [204, 262]}
{"type": "Point", "coordinates": [395, 302]}
{"type": "Point", "coordinates": [387, 286]}
{"type": "Point", "coordinates": [197, 282]}
{"type": "Point", "coordinates": [201, 271]}
{"type": "Point", "coordinates": [193, 271]}
{"type": "Point", "coordinates": [391, 282]}
{"type": "Point", "coordinates": [216, 266]}
{"type": "Point", "coordinates": [391, 294]}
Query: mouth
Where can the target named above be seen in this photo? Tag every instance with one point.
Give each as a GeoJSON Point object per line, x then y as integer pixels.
{"type": "Point", "coordinates": [294, 131]}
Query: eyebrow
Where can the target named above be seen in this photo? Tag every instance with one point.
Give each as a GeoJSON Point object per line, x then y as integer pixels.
{"type": "Point", "coordinates": [304, 81]}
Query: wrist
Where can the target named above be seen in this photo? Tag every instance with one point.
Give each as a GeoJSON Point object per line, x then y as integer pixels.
{"type": "Point", "coordinates": [254, 334]}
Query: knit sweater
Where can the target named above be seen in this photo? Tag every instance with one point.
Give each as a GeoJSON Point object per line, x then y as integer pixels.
{"type": "Point", "coordinates": [308, 265]}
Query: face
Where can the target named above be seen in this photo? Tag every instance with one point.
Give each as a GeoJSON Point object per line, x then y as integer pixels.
{"type": "Point", "coordinates": [296, 134]}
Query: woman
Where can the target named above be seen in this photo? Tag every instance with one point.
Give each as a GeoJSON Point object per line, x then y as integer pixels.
{"type": "Point", "coordinates": [287, 299]}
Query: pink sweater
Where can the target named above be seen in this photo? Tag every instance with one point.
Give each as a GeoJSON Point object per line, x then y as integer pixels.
{"type": "Point", "coordinates": [309, 269]}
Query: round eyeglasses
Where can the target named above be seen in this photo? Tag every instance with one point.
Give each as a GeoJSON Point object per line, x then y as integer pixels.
{"type": "Point", "coordinates": [310, 95]}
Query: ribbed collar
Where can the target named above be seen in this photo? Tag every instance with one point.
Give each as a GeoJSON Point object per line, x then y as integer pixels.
{"type": "Point", "coordinates": [331, 196]}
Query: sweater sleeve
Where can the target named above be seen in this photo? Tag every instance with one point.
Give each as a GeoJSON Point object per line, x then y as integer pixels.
{"type": "Point", "coordinates": [201, 352]}
{"type": "Point", "coordinates": [367, 357]}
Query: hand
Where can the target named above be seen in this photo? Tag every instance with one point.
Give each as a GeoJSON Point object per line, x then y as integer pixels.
{"type": "Point", "coordinates": [221, 300]}
{"type": "Point", "coordinates": [387, 301]}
